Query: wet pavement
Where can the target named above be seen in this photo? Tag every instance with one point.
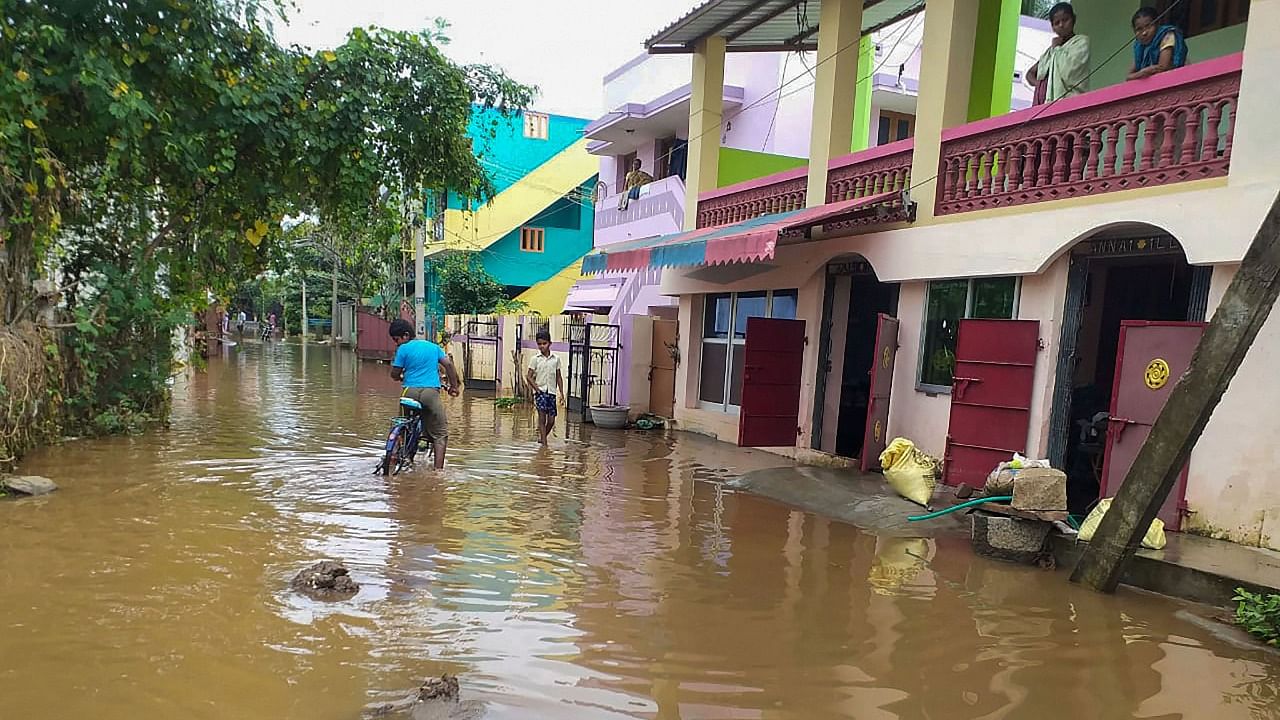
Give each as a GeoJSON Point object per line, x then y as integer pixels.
{"type": "Point", "coordinates": [615, 576]}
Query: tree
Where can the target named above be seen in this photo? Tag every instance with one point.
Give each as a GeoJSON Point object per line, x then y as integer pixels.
{"type": "Point", "coordinates": [467, 289]}
{"type": "Point", "coordinates": [150, 149]}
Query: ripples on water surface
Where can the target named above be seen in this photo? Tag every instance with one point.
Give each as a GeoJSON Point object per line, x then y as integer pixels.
{"type": "Point", "coordinates": [613, 577]}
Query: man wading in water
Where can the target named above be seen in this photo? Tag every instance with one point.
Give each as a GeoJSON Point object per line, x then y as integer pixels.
{"type": "Point", "coordinates": [417, 364]}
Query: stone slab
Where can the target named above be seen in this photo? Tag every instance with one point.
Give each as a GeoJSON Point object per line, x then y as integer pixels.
{"type": "Point", "coordinates": [27, 485]}
{"type": "Point", "coordinates": [1008, 538]}
{"type": "Point", "coordinates": [1040, 489]}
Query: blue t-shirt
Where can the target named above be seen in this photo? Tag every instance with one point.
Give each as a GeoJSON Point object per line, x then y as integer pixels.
{"type": "Point", "coordinates": [421, 362]}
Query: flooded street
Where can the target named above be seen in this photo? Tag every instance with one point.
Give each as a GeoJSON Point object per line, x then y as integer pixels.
{"type": "Point", "coordinates": [614, 576]}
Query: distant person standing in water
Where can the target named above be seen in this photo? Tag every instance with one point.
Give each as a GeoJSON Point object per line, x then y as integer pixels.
{"type": "Point", "coordinates": [240, 320]}
{"type": "Point", "coordinates": [544, 370]}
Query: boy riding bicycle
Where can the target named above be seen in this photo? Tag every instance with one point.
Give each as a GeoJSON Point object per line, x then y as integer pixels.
{"type": "Point", "coordinates": [417, 364]}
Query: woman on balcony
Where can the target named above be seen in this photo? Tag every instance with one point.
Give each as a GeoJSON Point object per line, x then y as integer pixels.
{"type": "Point", "coordinates": [1063, 69]}
{"type": "Point", "coordinates": [1156, 47]}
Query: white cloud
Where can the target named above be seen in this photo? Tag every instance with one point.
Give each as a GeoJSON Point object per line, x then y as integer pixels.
{"type": "Point", "coordinates": [565, 47]}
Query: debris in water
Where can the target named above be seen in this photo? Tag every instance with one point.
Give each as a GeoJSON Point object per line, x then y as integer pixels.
{"type": "Point", "coordinates": [326, 580]}
{"type": "Point", "coordinates": [438, 698]}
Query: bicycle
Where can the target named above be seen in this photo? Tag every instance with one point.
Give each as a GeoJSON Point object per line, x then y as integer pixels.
{"type": "Point", "coordinates": [406, 432]}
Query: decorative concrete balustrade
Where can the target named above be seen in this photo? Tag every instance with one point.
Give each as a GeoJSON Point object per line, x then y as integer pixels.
{"type": "Point", "coordinates": [1171, 128]}
{"type": "Point", "coordinates": [774, 193]}
{"type": "Point", "coordinates": [869, 172]}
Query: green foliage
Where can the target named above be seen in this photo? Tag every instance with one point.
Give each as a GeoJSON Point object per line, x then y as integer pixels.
{"type": "Point", "coordinates": [149, 151]}
{"type": "Point", "coordinates": [1259, 614]}
{"type": "Point", "coordinates": [120, 355]}
{"type": "Point", "coordinates": [468, 290]}
{"type": "Point", "coordinates": [506, 403]}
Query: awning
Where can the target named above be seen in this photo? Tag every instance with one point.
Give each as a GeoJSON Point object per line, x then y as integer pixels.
{"type": "Point", "coordinates": [593, 294]}
{"type": "Point", "coordinates": [747, 241]}
{"type": "Point", "coordinates": [767, 25]}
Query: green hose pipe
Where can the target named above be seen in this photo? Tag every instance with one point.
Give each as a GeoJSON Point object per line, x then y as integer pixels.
{"type": "Point", "coordinates": [961, 506]}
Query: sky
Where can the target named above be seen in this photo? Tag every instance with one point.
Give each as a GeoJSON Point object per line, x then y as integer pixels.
{"type": "Point", "coordinates": [565, 47]}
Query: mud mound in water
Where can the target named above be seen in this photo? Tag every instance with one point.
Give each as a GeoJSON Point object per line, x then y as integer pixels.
{"type": "Point", "coordinates": [436, 699]}
{"type": "Point", "coordinates": [326, 580]}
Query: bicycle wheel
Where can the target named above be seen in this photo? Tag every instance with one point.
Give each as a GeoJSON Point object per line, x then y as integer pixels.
{"type": "Point", "coordinates": [395, 445]}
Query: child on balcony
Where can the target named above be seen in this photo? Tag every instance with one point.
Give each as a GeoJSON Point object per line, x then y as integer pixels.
{"type": "Point", "coordinates": [1063, 69]}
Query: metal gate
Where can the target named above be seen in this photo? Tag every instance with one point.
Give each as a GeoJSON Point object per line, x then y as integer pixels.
{"type": "Point", "coordinates": [876, 435]}
{"type": "Point", "coordinates": [990, 397]}
{"type": "Point", "coordinates": [480, 355]}
{"type": "Point", "coordinates": [772, 356]}
{"type": "Point", "coordinates": [593, 367]}
{"type": "Point", "coordinates": [663, 350]}
{"type": "Point", "coordinates": [1151, 358]}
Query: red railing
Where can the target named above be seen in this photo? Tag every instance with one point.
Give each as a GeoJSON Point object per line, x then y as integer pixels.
{"type": "Point", "coordinates": [775, 193]}
{"type": "Point", "coordinates": [869, 172]}
{"type": "Point", "coordinates": [882, 169]}
{"type": "Point", "coordinates": [1173, 127]}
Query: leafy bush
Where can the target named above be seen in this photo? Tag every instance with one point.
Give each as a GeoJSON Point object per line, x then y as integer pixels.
{"type": "Point", "coordinates": [1259, 614]}
{"type": "Point", "coordinates": [506, 403]}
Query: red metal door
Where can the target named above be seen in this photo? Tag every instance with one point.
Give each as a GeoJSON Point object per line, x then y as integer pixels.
{"type": "Point", "coordinates": [990, 397]}
{"type": "Point", "coordinates": [886, 352]}
{"type": "Point", "coordinates": [772, 356]}
{"type": "Point", "coordinates": [1150, 359]}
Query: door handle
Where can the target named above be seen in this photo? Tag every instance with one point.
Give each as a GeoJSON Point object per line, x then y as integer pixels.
{"type": "Point", "coordinates": [1117, 425]}
{"type": "Point", "coordinates": [960, 384]}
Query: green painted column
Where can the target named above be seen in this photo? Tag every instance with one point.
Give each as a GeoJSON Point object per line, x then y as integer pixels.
{"type": "Point", "coordinates": [995, 46]}
{"type": "Point", "coordinates": [862, 95]}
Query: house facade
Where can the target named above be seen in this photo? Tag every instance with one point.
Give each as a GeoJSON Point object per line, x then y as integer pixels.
{"type": "Point", "coordinates": [767, 106]}
{"type": "Point", "coordinates": [538, 224]}
{"type": "Point", "coordinates": [1031, 281]}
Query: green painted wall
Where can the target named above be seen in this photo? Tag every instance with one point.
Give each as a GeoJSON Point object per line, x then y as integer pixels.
{"type": "Point", "coordinates": [741, 165]}
{"type": "Point", "coordinates": [1108, 25]}
{"type": "Point", "coordinates": [862, 95]}
{"type": "Point", "coordinates": [991, 82]}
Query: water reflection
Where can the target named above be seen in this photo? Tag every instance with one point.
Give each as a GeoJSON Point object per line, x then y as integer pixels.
{"type": "Point", "coordinates": [614, 576]}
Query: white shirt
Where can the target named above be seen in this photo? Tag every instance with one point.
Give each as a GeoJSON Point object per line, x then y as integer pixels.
{"type": "Point", "coordinates": [545, 368]}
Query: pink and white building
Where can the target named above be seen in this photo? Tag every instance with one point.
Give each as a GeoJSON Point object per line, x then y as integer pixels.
{"type": "Point", "coordinates": [1032, 281]}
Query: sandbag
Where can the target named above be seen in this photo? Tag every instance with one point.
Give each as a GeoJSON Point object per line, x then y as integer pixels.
{"type": "Point", "coordinates": [910, 472]}
{"type": "Point", "coordinates": [1154, 539]}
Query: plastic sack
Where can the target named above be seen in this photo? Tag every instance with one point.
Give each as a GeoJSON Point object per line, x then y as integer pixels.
{"type": "Point", "coordinates": [1000, 481]}
{"type": "Point", "coordinates": [1154, 539]}
{"type": "Point", "coordinates": [910, 472]}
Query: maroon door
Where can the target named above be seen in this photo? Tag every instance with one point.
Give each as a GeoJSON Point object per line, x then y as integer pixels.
{"type": "Point", "coordinates": [772, 356]}
{"type": "Point", "coordinates": [990, 397]}
{"type": "Point", "coordinates": [886, 352]}
{"type": "Point", "coordinates": [1151, 357]}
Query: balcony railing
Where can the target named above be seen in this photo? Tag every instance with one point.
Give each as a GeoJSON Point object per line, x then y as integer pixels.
{"type": "Point", "coordinates": [665, 196]}
{"type": "Point", "coordinates": [869, 172]}
{"type": "Point", "coordinates": [1174, 127]}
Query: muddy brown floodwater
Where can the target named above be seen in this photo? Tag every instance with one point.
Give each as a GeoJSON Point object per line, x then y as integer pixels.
{"type": "Point", "coordinates": [615, 576]}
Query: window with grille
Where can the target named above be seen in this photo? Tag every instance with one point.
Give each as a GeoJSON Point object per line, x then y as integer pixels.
{"type": "Point", "coordinates": [536, 125]}
{"type": "Point", "coordinates": [532, 239]}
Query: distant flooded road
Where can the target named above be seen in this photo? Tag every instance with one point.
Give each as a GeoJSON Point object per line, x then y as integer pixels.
{"type": "Point", "coordinates": [614, 576]}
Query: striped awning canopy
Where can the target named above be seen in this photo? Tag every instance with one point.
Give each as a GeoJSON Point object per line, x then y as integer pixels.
{"type": "Point", "coordinates": [751, 240]}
